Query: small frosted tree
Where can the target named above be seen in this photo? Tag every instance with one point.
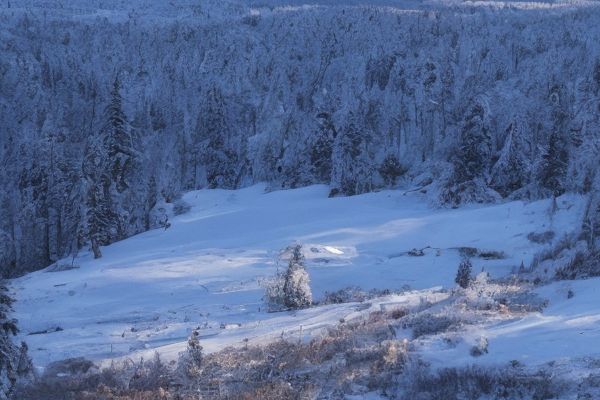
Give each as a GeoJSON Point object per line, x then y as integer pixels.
{"type": "Point", "coordinates": [191, 359]}
{"type": "Point", "coordinates": [463, 275]}
{"type": "Point", "coordinates": [290, 289]}
{"type": "Point", "coordinates": [296, 287]}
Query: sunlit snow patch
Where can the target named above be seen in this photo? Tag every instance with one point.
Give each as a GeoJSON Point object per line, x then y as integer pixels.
{"type": "Point", "coordinates": [333, 250]}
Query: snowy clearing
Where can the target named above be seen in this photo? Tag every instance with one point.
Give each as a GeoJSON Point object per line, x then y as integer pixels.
{"type": "Point", "coordinates": [148, 292]}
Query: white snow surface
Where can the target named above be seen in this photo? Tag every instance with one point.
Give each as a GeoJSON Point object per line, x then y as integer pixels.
{"type": "Point", "coordinates": [567, 332]}
{"type": "Point", "coordinates": [148, 292]}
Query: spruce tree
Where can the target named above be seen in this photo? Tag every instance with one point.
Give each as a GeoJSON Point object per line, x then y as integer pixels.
{"type": "Point", "coordinates": [296, 289]}
{"type": "Point", "coordinates": [14, 362]}
{"type": "Point", "coordinates": [321, 149]}
{"type": "Point", "coordinates": [471, 160]}
{"type": "Point", "coordinates": [108, 167]}
{"type": "Point", "coordinates": [469, 178]}
{"type": "Point", "coordinates": [512, 169]}
{"type": "Point", "coordinates": [212, 142]}
{"type": "Point", "coordinates": [463, 274]}
{"type": "Point", "coordinates": [350, 169]}
{"type": "Point", "coordinates": [117, 140]}
{"type": "Point", "coordinates": [553, 167]}
{"type": "Point", "coordinates": [101, 220]}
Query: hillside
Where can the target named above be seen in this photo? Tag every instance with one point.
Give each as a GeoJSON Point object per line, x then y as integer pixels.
{"type": "Point", "coordinates": [150, 291]}
{"type": "Point", "coordinates": [299, 199]}
{"type": "Point", "coordinates": [477, 101]}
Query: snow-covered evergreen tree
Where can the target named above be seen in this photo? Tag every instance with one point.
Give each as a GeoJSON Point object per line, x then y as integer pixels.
{"type": "Point", "coordinates": [553, 167]}
{"type": "Point", "coordinates": [218, 158]}
{"type": "Point", "coordinates": [102, 221]}
{"type": "Point", "coordinates": [591, 219]}
{"type": "Point", "coordinates": [463, 274]}
{"type": "Point", "coordinates": [190, 361]}
{"type": "Point", "coordinates": [321, 149]}
{"type": "Point", "coordinates": [14, 361]}
{"type": "Point", "coordinates": [296, 286]}
{"type": "Point", "coordinates": [471, 161]}
{"type": "Point", "coordinates": [117, 141]}
{"type": "Point", "coordinates": [352, 173]}
{"type": "Point", "coordinates": [512, 171]}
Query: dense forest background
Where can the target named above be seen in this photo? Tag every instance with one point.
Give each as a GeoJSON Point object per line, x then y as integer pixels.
{"type": "Point", "coordinates": [107, 117]}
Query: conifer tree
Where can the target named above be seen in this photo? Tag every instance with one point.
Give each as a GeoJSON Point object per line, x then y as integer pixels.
{"type": "Point", "coordinates": [219, 159]}
{"type": "Point", "coordinates": [101, 220]}
{"type": "Point", "coordinates": [117, 140]}
{"type": "Point", "coordinates": [469, 178]}
{"type": "Point", "coordinates": [296, 289]}
{"type": "Point", "coordinates": [322, 148]}
{"type": "Point", "coordinates": [350, 169]}
{"type": "Point", "coordinates": [108, 165]}
{"type": "Point", "coordinates": [475, 147]}
{"type": "Point", "coordinates": [512, 169]}
{"type": "Point", "coordinates": [463, 274]}
{"type": "Point", "coordinates": [14, 362]}
{"type": "Point", "coordinates": [553, 167]}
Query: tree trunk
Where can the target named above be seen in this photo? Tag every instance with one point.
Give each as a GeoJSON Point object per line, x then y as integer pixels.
{"type": "Point", "coordinates": [96, 249]}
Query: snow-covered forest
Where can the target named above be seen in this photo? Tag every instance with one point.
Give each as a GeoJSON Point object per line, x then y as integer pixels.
{"type": "Point", "coordinates": [109, 111]}
{"type": "Point", "coordinates": [299, 199]}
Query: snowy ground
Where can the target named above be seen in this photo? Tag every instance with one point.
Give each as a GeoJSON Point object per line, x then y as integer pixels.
{"type": "Point", "coordinates": [149, 291]}
{"type": "Point", "coordinates": [568, 330]}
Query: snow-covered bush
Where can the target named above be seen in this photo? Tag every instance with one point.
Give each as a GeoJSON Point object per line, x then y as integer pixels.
{"type": "Point", "coordinates": [479, 382]}
{"type": "Point", "coordinates": [149, 375]}
{"type": "Point", "coordinates": [290, 289]}
{"type": "Point", "coordinates": [352, 294]}
{"type": "Point", "coordinates": [480, 348]}
{"type": "Point", "coordinates": [463, 274]}
{"type": "Point", "coordinates": [181, 207]}
{"type": "Point", "coordinates": [274, 292]}
{"type": "Point", "coordinates": [583, 264]}
{"type": "Point", "coordinates": [426, 323]}
{"type": "Point", "coordinates": [391, 169]}
{"type": "Point", "coordinates": [345, 295]}
{"type": "Point", "coordinates": [541, 237]}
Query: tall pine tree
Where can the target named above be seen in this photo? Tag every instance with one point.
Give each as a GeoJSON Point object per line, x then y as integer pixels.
{"type": "Point", "coordinates": [213, 135]}
{"type": "Point", "coordinates": [512, 170]}
{"type": "Point", "coordinates": [472, 158]}
{"type": "Point", "coordinates": [352, 171]}
{"type": "Point", "coordinates": [471, 161]}
{"type": "Point", "coordinates": [108, 167]}
{"type": "Point", "coordinates": [321, 149]}
{"type": "Point", "coordinates": [117, 140]}
{"type": "Point", "coordinates": [553, 167]}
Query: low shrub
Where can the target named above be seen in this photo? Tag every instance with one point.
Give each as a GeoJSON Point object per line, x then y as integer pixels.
{"type": "Point", "coordinates": [478, 382]}
{"type": "Point", "coordinates": [541, 237]}
{"type": "Point", "coordinates": [423, 324]}
{"type": "Point", "coordinates": [583, 264]}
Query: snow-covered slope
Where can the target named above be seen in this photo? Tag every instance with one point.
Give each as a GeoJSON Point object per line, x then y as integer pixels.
{"type": "Point", "coordinates": [149, 291]}
{"type": "Point", "coordinates": [565, 335]}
